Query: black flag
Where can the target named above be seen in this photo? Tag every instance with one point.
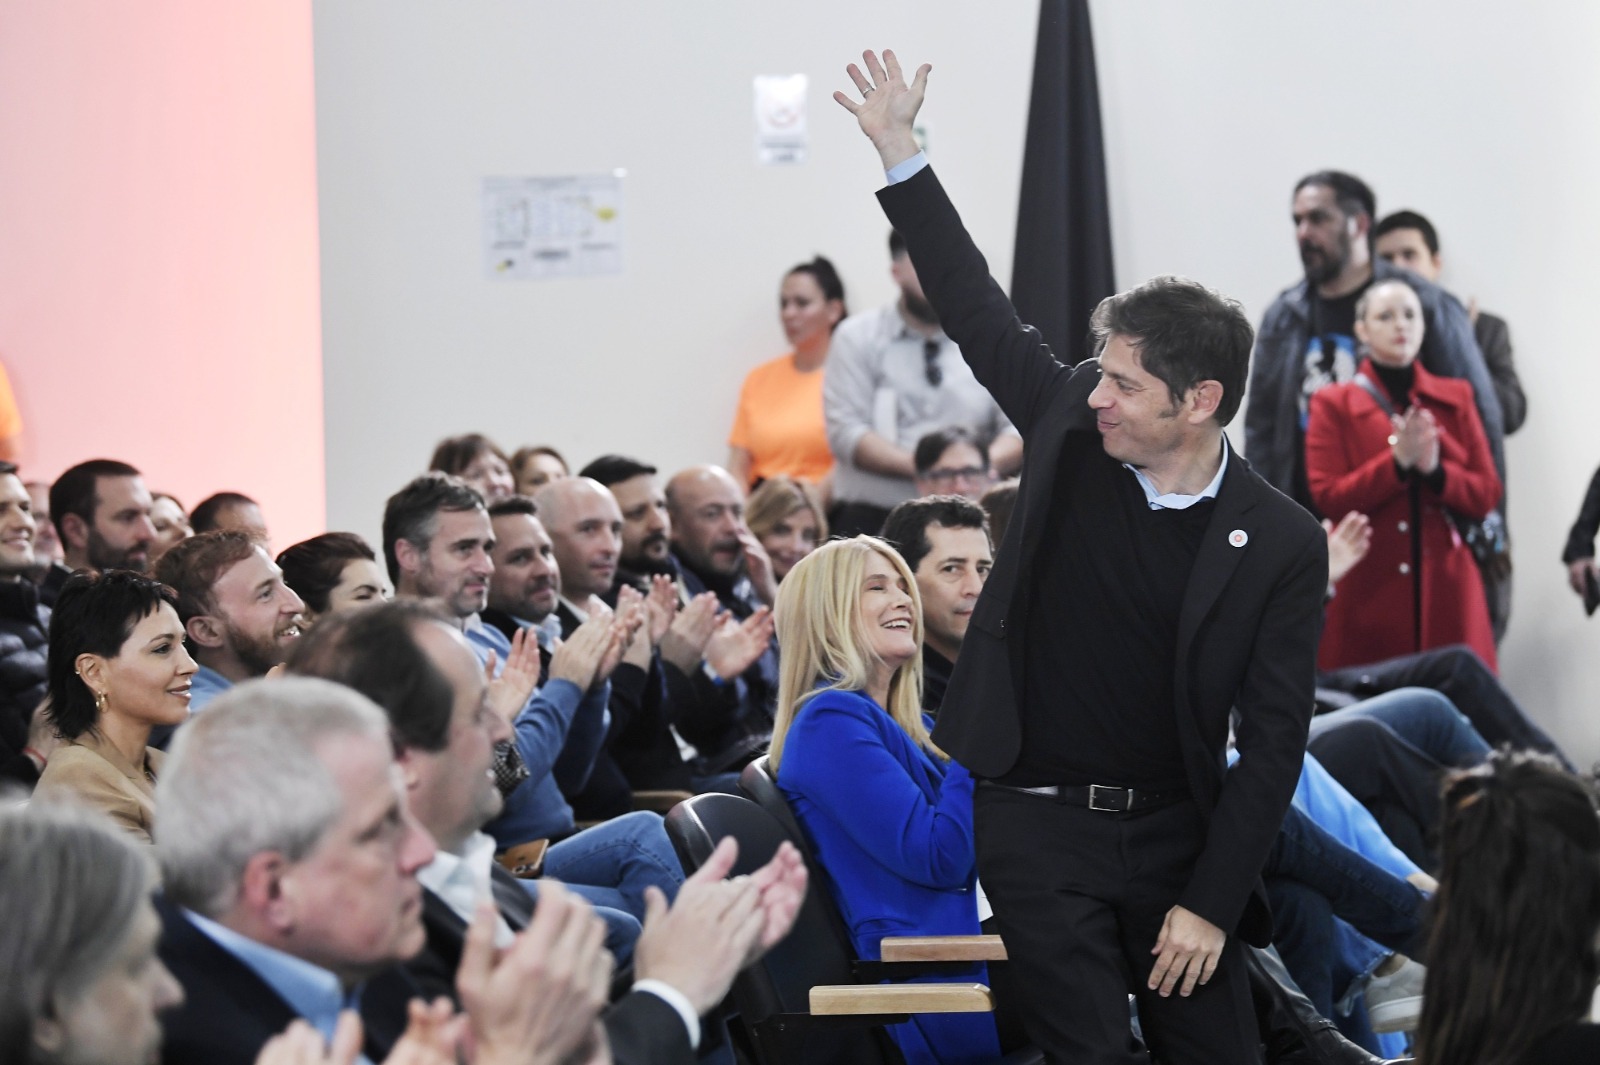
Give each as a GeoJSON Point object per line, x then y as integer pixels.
{"type": "Point", "coordinates": [1062, 267]}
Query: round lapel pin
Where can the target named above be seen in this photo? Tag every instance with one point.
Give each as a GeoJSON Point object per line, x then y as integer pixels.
{"type": "Point", "coordinates": [1238, 538]}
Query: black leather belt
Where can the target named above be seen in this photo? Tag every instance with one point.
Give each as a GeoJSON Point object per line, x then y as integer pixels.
{"type": "Point", "coordinates": [1100, 796]}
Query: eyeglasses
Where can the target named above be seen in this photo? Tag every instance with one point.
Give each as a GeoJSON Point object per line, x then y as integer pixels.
{"type": "Point", "coordinates": [930, 363]}
{"type": "Point", "coordinates": [969, 474]}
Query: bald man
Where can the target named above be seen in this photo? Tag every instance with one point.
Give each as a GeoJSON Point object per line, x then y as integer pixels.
{"type": "Point", "coordinates": [713, 550]}
{"type": "Point", "coordinates": [585, 527]}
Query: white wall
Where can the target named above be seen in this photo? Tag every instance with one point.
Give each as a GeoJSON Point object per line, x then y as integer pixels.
{"type": "Point", "coordinates": [1485, 116]}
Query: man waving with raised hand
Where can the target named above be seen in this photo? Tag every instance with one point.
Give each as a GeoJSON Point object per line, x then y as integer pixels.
{"type": "Point", "coordinates": [1167, 586]}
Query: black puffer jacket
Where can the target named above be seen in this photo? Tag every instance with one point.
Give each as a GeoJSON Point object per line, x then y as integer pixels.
{"type": "Point", "coordinates": [24, 636]}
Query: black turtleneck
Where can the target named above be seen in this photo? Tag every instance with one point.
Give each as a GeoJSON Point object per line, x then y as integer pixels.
{"type": "Point", "coordinates": [1397, 381]}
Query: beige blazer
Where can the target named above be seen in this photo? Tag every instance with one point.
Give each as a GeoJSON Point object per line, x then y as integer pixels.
{"type": "Point", "coordinates": [91, 772]}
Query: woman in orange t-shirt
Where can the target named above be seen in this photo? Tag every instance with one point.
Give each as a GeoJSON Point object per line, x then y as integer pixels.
{"type": "Point", "coordinates": [778, 426]}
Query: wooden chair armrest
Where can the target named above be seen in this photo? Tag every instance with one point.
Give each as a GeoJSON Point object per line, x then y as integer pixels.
{"type": "Point", "coordinates": [845, 999]}
{"type": "Point", "coordinates": [660, 801]}
{"type": "Point", "coordinates": [524, 861]}
{"type": "Point", "coordinates": [943, 948]}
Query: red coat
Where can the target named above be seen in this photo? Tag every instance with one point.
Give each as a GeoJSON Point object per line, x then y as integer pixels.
{"type": "Point", "coordinates": [1350, 466]}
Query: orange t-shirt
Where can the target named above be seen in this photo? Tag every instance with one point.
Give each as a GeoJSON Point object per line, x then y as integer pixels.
{"type": "Point", "coordinates": [779, 421]}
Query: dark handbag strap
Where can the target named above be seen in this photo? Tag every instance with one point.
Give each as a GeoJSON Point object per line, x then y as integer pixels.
{"type": "Point", "coordinates": [1375, 392]}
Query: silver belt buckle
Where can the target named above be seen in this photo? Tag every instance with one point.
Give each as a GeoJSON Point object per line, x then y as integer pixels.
{"type": "Point", "coordinates": [1095, 801]}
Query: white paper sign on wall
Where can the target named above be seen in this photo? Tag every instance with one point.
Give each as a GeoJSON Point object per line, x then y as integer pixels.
{"type": "Point", "coordinates": [543, 227]}
{"type": "Point", "coordinates": [780, 119]}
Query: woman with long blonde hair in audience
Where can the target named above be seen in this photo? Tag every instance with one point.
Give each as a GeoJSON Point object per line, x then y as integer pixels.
{"type": "Point", "coordinates": [886, 813]}
{"type": "Point", "coordinates": [117, 668]}
{"type": "Point", "coordinates": [786, 516]}
{"type": "Point", "coordinates": [1512, 959]}
{"type": "Point", "coordinates": [1407, 449]}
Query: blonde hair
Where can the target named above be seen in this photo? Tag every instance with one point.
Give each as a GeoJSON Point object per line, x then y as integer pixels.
{"type": "Point", "coordinates": [776, 498]}
{"type": "Point", "coordinates": [823, 643]}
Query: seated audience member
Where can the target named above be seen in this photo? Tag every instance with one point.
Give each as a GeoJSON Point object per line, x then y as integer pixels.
{"type": "Point", "coordinates": [646, 529]}
{"type": "Point", "coordinates": [436, 541]}
{"type": "Point", "coordinates": [1408, 240]}
{"type": "Point", "coordinates": [952, 461]}
{"type": "Point", "coordinates": [79, 978]}
{"type": "Point", "coordinates": [1582, 573]}
{"type": "Point", "coordinates": [945, 542]}
{"type": "Point", "coordinates": [230, 510]}
{"type": "Point", "coordinates": [241, 619]}
{"type": "Point", "coordinates": [46, 543]}
{"type": "Point", "coordinates": [475, 459]}
{"type": "Point", "coordinates": [887, 815]}
{"type": "Point", "coordinates": [778, 427]}
{"type": "Point", "coordinates": [101, 511]}
{"type": "Point", "coordinates": [786, 517]}
{"type": "Point", "coordinates": [714, 551]}
{"type": "Point", "coordinates": [534, 467]}
{"type": "Point", "coordinates": [333, 572]}
{"type": "Point", "coordinates": [525, 587]}
{"type": "Point", "coordinates": [289, 865]}
{"type": "Point", "coordinates": [24, 637]}
{"type": "Point", "coordinates": [427, 680]}
{"type": "Point", "coordinates": [998, 502]}
{"type": "Point", "coordinates": [170, 522]}
{"type": "Point", "coordinates": [1420, 587]}
{"type": "Point", "coordinates": [1455, 672]}
{"type": "Point", "coordinates": [1512, 956]}
{"type": "Point", "coordinates": [118, 669]}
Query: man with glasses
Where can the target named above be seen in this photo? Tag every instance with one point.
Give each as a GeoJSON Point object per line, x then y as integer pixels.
{"type": "Point", "coordinates": [893, 376]}
{"type": "Point", "coordinates": [952, 462]}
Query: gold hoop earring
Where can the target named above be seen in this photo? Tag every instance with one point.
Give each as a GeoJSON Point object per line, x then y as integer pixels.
{"type": "Point", "coordinates": [100, 702]}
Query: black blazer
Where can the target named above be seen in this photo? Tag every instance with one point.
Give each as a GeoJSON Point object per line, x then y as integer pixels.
{"type": "Point", "coordinates": [1251, 616]}
{"type": "Point", "coordinates": [641, 1028]}
{"type": "Point", "coordinates": [229, 1013]}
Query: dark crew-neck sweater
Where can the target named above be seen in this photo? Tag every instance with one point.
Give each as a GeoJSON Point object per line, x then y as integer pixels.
{"type": "Point", "coordinates": [1101, 633]}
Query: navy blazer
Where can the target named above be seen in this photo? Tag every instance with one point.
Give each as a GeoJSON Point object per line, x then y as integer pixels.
{"type": "Point", "coordinates": [1251, 615]}
{"type": "Point", "coordinates": [893, 828]}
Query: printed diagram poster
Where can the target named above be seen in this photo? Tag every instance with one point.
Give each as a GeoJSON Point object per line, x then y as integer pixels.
{"type": "Point", "coordinates": [780, 119]}
{"type": "Point", "coordinates": [541, 227]}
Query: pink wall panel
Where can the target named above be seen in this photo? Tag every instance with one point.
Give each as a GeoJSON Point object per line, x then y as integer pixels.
{"type": "Point", "coordinates": [158, 245]}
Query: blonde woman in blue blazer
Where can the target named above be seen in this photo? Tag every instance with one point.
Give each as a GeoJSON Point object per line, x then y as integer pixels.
{"type": "Point", "coordinates": [887, 815]}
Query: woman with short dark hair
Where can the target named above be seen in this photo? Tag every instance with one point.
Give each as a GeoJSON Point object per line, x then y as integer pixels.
{"type": "Point", "coordinates": [117, 669]}
{"type": "Point", "coordinates": [333, 572]}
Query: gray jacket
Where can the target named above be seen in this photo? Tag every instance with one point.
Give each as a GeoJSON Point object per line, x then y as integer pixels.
{"type": "Point", "coordinates": [1272, 415]}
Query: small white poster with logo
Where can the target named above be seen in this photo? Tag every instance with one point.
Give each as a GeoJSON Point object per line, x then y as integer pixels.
{"type": "Point", "coordinates": [780, 119]}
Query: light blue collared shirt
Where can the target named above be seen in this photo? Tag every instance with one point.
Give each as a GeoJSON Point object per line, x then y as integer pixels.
{"type": "Point", "coordinates": [310, 990]}
{"type": "Point", "coordinates": [204, 686]}
{"type": "Point", "coordinates": [1177, 500]}
{"type": "Point", "coordinates": [904, 171]}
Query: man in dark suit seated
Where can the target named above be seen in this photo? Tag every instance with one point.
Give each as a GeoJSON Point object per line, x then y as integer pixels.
{"type": "Point", "coordinates": [289, 865]}
{"type": "Point", "coordinates": [423, 675]}
{"type": "Point", "coordinates": [1149, 584]}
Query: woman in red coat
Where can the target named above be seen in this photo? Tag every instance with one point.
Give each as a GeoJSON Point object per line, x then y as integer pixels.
{"type": "Point", "coordinates": [1419, 587]}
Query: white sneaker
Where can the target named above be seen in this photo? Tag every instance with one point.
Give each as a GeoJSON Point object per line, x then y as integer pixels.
{"type": "Point", "coordinates": [1394, 1002]}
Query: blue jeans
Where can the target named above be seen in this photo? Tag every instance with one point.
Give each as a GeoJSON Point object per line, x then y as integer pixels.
{"type": "Point", "coordinates": [1322, 895]}
{"type": "Point", "coordinates": [622, 929]}
{"type": "Point", "coordinates": [1424, 718]}
{"type": "Point", "coordinates": [613, 862]}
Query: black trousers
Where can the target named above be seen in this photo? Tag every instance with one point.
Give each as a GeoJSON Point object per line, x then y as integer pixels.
{"type": "Point", "coordinates": [1080, 897]}
{"type": "Point", "coordinates": [1461, 675]}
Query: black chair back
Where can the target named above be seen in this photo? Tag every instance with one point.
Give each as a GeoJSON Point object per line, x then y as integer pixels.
{"type": "Point", "coordinates": [773, 996]}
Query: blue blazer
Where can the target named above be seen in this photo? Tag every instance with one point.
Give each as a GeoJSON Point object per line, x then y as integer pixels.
{"type": "Point", "coordinates": [892, 826]}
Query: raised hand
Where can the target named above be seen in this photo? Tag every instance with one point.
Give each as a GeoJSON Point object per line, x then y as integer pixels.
{"type": "Point", "coordinates": [509, 692]}
{"type": "Point", "coordinates": [662, 601]}
{"type": "Point", "coordinates": [685, 642]}
{"type": "Point", "coordinates": [538, 1002]}
{"type": "Point", "coordinates": [577, 659]}
{"type": "Point", "coordinates": [735, 645]}
{"type": "Point", "coordinates": [1348, 544]}
{"type": "Point", "coordinates": [888, 107]}
{"type": "Point", "coordinates": [301, 1044]}
{"type": "Point", "coordinates": [433, 1032]}
{"type": "Point", "coordinates": [758, 564]}
{"type": "Point", "coordinates": [700, 944]}
{"type": "Point", "coordinates": [626, 630]}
